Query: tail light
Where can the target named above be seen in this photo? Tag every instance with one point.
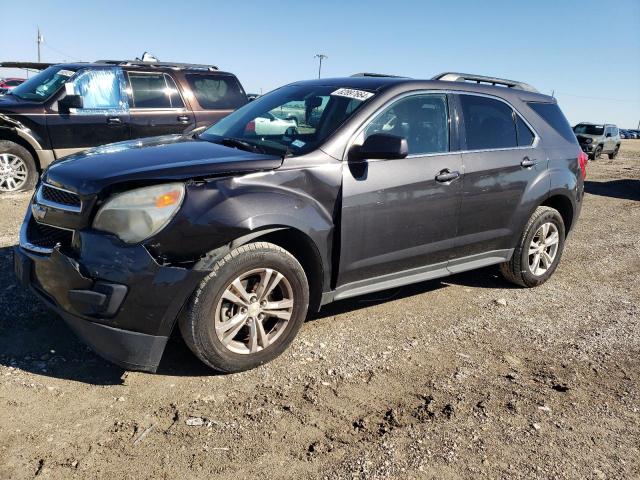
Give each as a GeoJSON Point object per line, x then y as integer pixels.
{"type": "Point", "coordinates": [251, 127]}
{"type": "Point", "coordinates": [582, 160]}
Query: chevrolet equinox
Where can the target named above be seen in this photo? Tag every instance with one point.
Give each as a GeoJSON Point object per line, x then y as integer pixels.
{"type": "Point", "coordinates": [234, 234]}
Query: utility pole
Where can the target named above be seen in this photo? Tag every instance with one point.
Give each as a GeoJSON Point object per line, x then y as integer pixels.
{"type": "Point", "coordinates": [320, 57]}
{"type": "Point", "coordinates": [40, 39]}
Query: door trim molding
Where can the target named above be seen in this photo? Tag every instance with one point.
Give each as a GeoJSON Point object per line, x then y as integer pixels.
{"type": "Point", "coordinates": [415, 275]}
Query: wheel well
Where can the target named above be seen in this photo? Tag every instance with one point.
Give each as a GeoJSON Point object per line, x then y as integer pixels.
{"type": "Point", "coordinates": [305, 251]}
{"type": "Point", "coordinates": [563, 205]}
{"type": "Point", "coordinates": [6, 134]}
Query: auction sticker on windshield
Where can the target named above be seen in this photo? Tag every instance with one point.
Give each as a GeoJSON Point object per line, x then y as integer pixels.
{"type": "Point", "coordinates": [353, 93]}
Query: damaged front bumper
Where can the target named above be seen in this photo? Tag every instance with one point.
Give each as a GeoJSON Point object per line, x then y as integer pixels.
{"type": "Point", "coordinates": [115, 297]}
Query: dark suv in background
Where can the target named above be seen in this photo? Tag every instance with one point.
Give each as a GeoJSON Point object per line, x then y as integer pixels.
{"type": "Point", "coordinates": [67, 108]}
{"type": "Point", "coordinates": [235, 234]}
{"type": "Point", "coordinates": [596, 139]}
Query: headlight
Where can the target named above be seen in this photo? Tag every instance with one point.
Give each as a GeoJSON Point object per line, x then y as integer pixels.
{"type": "Point", "coordinates": [141, 213]}
{"type": "Point", "coordinates": [588, 141]}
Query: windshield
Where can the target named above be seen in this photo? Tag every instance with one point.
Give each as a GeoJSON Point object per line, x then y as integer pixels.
{"type": "Point", "coordinates": [291, 120]}
{"type": "Point", "coordinates": [589, 129]}
{"type": "Point", "coordinates": [44, 84]}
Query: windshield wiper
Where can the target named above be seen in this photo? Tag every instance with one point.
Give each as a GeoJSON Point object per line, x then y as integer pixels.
{"type": "Point", "coordinates": [239, 144]}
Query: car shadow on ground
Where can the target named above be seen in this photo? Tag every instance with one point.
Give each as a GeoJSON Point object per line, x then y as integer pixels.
{"type": "Point", "coordinates": [626, 189]}
{"type": "Point", "coordinates": [36, 340]}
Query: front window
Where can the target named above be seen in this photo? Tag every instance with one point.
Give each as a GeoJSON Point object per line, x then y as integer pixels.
{"type": "Point", "coordinates": [589, 129]}
{"type": "Point", "coordinates": [101, 90]}
{"type": "Point", "coordinates": [292, 120]}
{"type": "Point", "coordinates": [41, 87]}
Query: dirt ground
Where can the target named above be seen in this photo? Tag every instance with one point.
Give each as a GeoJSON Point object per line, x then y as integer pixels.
{"type": "Point", "coordinates": [436, 380]}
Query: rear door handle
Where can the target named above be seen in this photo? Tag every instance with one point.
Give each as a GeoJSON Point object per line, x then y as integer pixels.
{"type": "Point", "coordinates": [446, 175]}
{"type": "Point", "coordinates": [527, 163]}
{"type": "Point", "coordinates": [183, 118]}
{"type": "Point", "coordinates": [114, 121]}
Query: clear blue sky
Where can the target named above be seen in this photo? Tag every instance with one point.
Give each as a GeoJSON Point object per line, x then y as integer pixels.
{"type": "Point", "coordinates": [587, 51]}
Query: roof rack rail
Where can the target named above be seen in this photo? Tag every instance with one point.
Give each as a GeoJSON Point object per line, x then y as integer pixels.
{"type": "Point", "coordinates": [140, 63]}
{"type": "Point", "coordinates": [468, 77]}
{"type": "Point", "coordinates": [366, 74]}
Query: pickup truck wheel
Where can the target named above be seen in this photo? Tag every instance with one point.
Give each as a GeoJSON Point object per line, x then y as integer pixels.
{"type": "Point", "coordinates": [248, 310]}
{"type": "Point", "coordinates": [18, 170]}
{"type": "Point", "coordinates": [596, 153]}
{"type": "Point", "coordinates": [538, 253]}
{"type": "Point", "coordinates": [614, 154]}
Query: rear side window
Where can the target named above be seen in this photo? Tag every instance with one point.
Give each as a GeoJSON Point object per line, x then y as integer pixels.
{"type": "Point", "coordinates": [525, 135]}
{"type": "Point", "coordinates": [217, 91]}
{"type": "Point", "coordinates": [154, 90]}
{"type": "Point", "coordinates": [488, 123]}
{"type": "Point", "coordinates": [554, 117]}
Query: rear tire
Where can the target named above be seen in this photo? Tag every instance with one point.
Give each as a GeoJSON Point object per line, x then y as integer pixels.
{"type": "Point", "coordinates": [232, 336]}
{"type": "Point", "coordinates": [614, 154]}
{"type": "Point", "coordinates": [534, 260]}
{"type": "Point", "coordinates": [18, 170]}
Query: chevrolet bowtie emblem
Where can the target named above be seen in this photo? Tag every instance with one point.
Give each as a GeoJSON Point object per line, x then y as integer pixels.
{"type": "Point", "coordinates": [38, 211]}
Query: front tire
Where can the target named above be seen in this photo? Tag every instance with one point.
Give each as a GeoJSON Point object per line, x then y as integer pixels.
{"type": "Point", "coordinates": [538, 253]}
{"type": "Point", "coordinates": [596, 153]}
{"type": "Point", "coordinates": [248, 310]}
{"type": "Point", "coordinates": [18, 170]}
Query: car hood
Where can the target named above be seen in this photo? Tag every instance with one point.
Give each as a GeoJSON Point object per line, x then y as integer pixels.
{"type": "Point", "coordinates": [13, 104]}
{"type": "Point", "coordinates": [174, 157]}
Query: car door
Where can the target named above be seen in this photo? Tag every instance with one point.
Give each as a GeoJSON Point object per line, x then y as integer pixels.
{"type": "Point", "coordinates": [399, 216]}
{"type": "Point", "coordinates": [103, 118]}
{"type": "Point", "coordinates": [502, 161]}
{"type": "Point", "coordinates": [157, 107]}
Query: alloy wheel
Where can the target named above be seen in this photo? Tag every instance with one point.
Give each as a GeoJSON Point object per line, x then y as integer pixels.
{"type": "Point", "coordinates": [543, 248]}
{"type": "Point", "coordinates": [254, 310]}
{"type": "Point", "coordinates": [13, 172]}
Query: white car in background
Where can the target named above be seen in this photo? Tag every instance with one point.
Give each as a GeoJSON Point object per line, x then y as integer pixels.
{"type": "Point", "coordinates": [269, 124]}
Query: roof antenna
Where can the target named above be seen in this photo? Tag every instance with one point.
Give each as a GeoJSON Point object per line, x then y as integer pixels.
{"type": "Point", "coordinates": [553, 93]}
{"type": "Point", "coordinates": [148, 57]}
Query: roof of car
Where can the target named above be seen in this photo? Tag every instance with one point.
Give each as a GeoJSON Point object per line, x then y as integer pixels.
{"type": "Point", "coordinates": [380, 83]}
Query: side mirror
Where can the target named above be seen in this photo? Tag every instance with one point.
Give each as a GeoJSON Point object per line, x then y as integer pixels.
{"type": "Point", "coordinates": [381, 146]}
{"type": "Point", "coordinates": [69, 102]}
{"type": "Point", "coordinates": [608, 135]}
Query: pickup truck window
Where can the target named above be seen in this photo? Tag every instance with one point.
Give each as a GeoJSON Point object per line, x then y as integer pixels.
{"type": "Point", "coordinates": [216, 91]}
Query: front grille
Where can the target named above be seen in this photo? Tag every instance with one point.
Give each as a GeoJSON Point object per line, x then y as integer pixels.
{"type": "Point", "coordinates": [61, 197]}
{"type": "Point", "coordinates": [47, 237]}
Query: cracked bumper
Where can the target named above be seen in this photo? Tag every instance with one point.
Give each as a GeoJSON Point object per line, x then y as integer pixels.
{"type": "Point", "coordinates": [115, 297]}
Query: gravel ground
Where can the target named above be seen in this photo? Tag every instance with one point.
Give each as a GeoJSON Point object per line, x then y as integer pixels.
{"type": "Point", "coordinates": [458, 378]}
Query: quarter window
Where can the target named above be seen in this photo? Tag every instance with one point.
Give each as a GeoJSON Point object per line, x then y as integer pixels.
{"type": "Point", "coordinates": [154, 90]}
{"type": "Point", "coordinates": [421, 119]}
{"type": "Point", "coordinates": [217, 91]}
{"type": "Point", "coordinates": [488, 123]}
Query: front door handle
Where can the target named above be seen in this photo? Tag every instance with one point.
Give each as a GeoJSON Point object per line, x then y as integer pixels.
{"type": "Point", "coordinates": [114, 121]}
{"type": "Point", "coordinates": [183, 118]}
{"type": "Point", "coordinates": [447, 175]}
{"type": "Point", "coordinates": [527, 163]}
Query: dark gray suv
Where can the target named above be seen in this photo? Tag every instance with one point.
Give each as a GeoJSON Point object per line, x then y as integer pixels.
{"type": "Point", "coordinates": [236, 233]}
